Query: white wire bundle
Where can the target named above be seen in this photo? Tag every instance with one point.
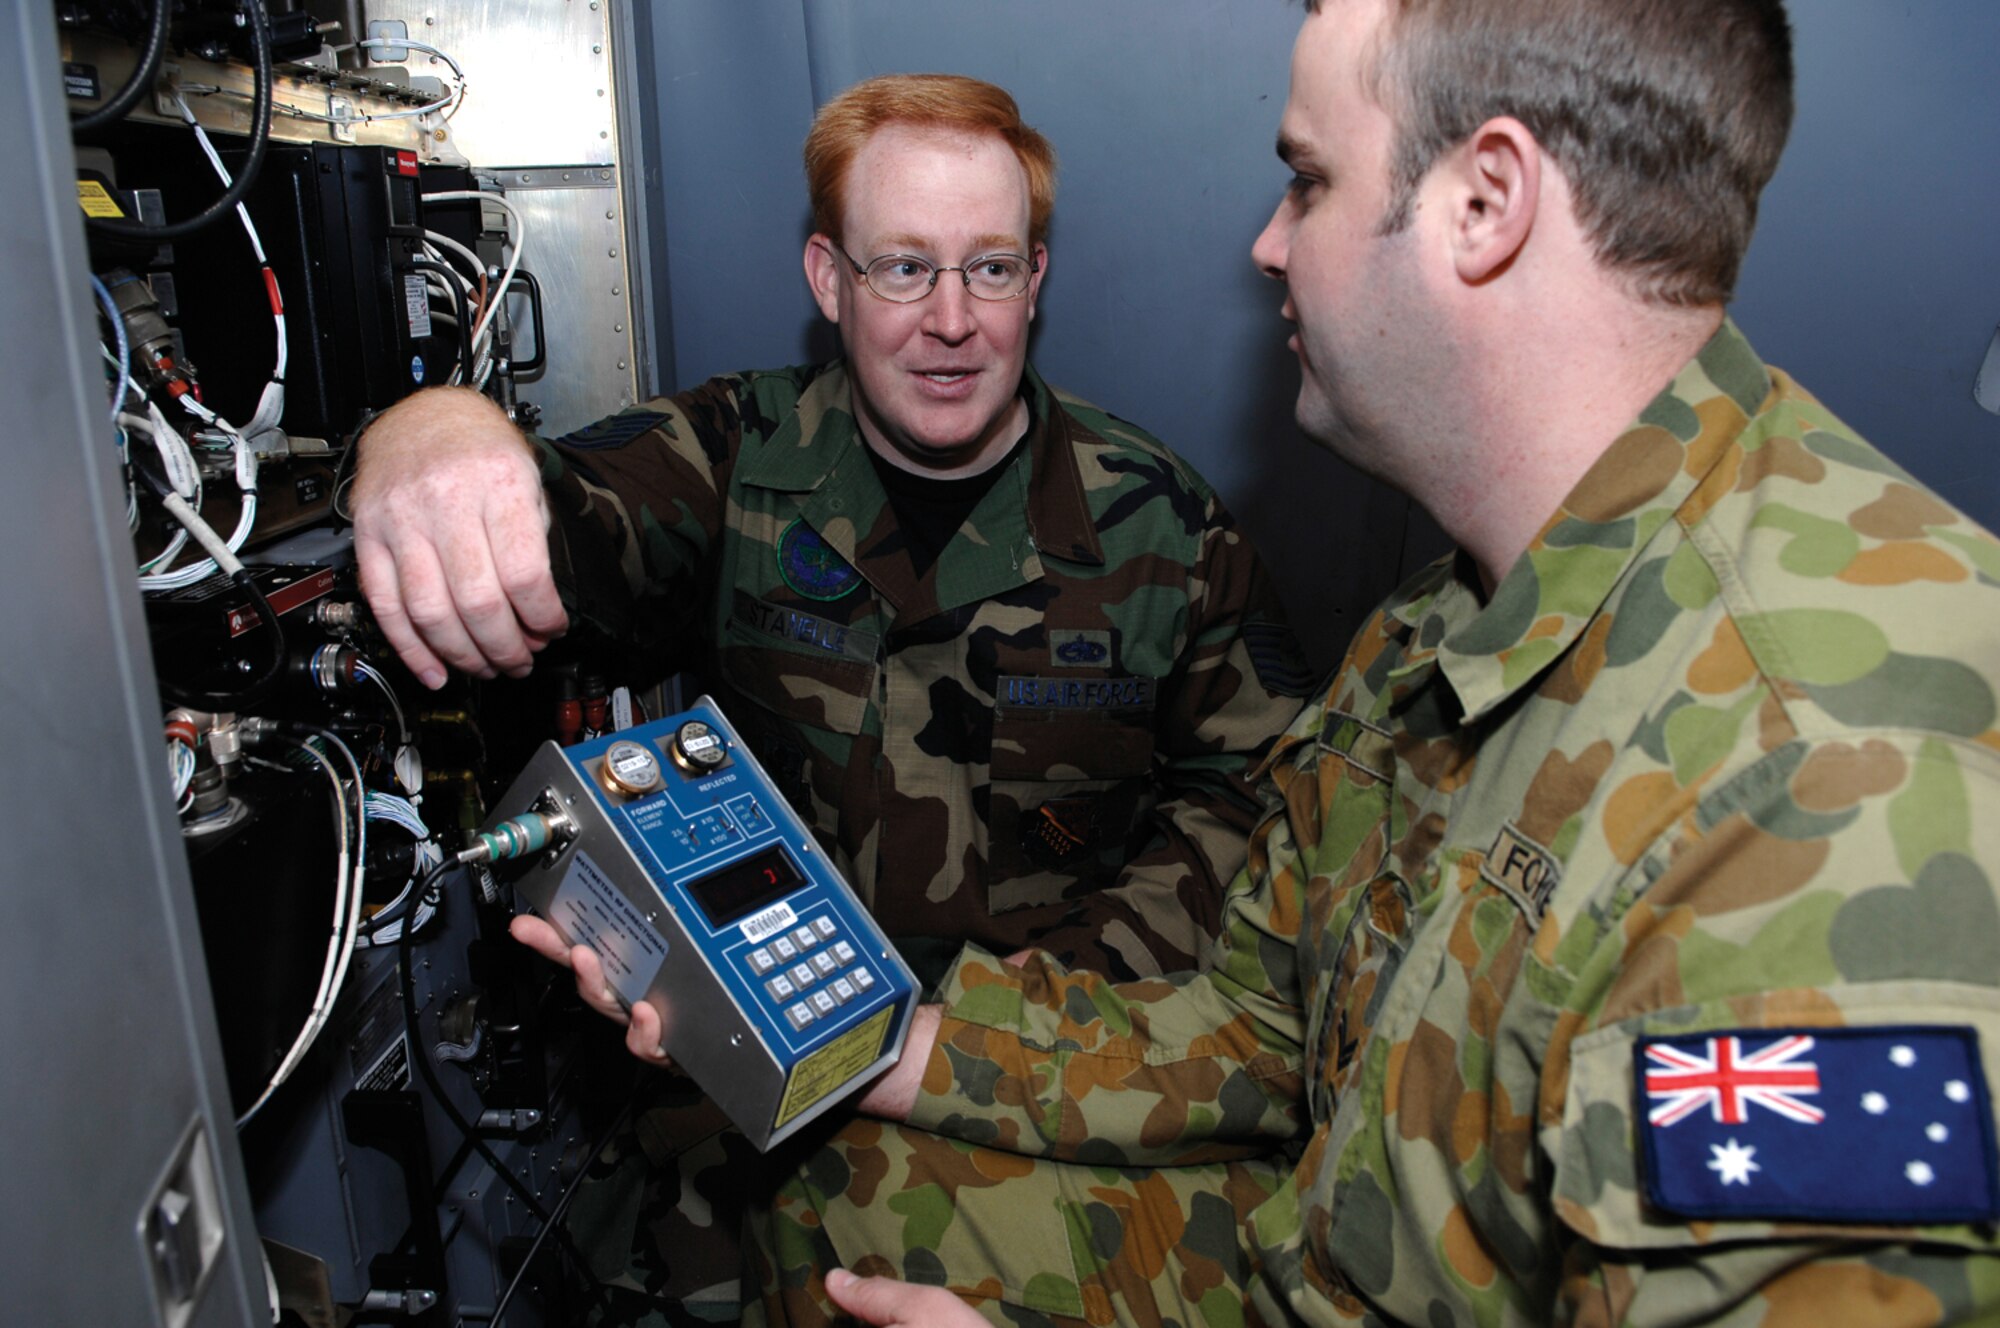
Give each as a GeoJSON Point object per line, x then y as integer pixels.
{"type": "Point", "coordinates": [449, 103]}
{"type": "Point", "coordinates": [403, 813]}
{"type": "Point", "coordinates": [271, 405]}
{"type": "Point", "coordinates": [180, 768]}
{"type": "Point", "coordinates": [518, 242]}
{"type": "Point", "coordinates": [353, 823]}
{"type": "Point", "coordinates": [409, 766]}
{"type": "Point", "coordinates": [182, 473]}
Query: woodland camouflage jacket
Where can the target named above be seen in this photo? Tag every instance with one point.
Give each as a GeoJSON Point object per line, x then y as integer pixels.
{"type": "Point", "coordinates": [1047, 737]}
{"type": "Point", "coordinates": [1716, 763]}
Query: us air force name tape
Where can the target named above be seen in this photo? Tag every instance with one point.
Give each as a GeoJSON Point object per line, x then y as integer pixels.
{"type": "Point", "coordinates": [1074, 693]}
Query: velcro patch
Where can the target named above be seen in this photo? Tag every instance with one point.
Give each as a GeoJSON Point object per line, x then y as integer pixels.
{"type": "Point", "coordinates": [1526, 871]}
{"type": "Point", "coordinates": [1278, 658]}
{"type": "Point", "coordinates": [615, 431]}
{"type": "Point", "coordinates": [1028, 693]}
{"type": "Point", "coordinates": [1079, 649]}
{"type": "Point", "coordinates": [1886, 1125]}
{"type": "Point", "coordinates": [806, 629]}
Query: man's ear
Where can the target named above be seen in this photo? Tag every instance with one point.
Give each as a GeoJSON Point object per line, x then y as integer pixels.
{"type": "Point", "coordinates": [1496, 182]}
{"type": "Point", "coordinates": [822, 263]}
{"type": "Point", "coordinates": [1041, 260]}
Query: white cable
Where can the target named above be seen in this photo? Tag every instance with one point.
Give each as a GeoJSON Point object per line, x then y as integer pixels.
{"type": "Point", "coordinates": [518, 235]}
{"type": "Point", "coordinates": [271, 405]}
{"type": "Point", "coordinates": [438, 237]}
{"type": "Point", "coordinates": [402, 812]}
{"type": "Point", "coordinates": [346, 911]}
{"type": "Point", "coordinates": [180, 768]}
{"type": "Point", "coordinates": [374, 675]}
{"type": "Point", "coordinates": [451, 99]}
{"type": "Point", "coordinates": [187, 514]}
{"type": "Point", "coordinates": [182, 474]}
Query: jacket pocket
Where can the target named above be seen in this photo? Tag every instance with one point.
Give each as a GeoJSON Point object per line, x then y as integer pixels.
{"type": "Point", "coordinates": [1069, 790]}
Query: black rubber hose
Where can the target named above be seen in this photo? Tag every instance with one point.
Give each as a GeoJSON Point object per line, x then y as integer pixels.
{"type": "Point", "coordinates": [260, 138]}
{"type": "Point", "coordinates": [142, 78]}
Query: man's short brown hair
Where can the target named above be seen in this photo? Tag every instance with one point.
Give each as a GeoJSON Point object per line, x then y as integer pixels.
{"type": "Point", "coordinates": [1667, 117]}
{"type": "Point", "coordinates": [929, 101]}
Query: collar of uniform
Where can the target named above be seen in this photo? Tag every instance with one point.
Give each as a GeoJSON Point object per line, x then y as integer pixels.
{"type": "Point", "coordinates": [810, 441]}
{"type": "Point", "coordinates": [818, 452]}
{"type": "Point", "coordinates": [1059, 516]}
{"type": "Point", "coordinates": [1554, 591]}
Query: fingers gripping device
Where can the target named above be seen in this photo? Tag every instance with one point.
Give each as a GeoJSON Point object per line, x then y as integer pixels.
{"type": "Point", "coordinates": [667, 850]}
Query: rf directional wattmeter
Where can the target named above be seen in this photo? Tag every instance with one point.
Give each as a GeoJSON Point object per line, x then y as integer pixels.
{"type": "Point", "coordinates": [703, 892]}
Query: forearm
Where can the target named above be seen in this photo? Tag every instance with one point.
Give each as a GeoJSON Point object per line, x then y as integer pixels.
{"type": "Point", "coordinates": [1069, 1066]}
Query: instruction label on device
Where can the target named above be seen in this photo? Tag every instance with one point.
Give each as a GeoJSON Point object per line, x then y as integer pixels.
{"type": "Point", "coordinates": [589, 910]}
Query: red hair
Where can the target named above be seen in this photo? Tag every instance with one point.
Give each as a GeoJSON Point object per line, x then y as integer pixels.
{"type": "Point", "coordinates": [949, 102]}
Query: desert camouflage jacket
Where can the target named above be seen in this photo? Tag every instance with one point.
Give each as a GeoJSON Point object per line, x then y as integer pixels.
{"type": "Point", "coordinates": [1048, 737]}
{"type": "Point", "coordinates": [1627, 947]}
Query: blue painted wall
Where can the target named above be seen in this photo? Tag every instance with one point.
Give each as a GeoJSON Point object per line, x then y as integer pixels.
{"type": "Point", "coordinates": [1875, 277]}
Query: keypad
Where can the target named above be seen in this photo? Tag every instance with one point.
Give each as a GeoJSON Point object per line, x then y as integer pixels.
{"type": "Point", "coordinates": [810, 971]}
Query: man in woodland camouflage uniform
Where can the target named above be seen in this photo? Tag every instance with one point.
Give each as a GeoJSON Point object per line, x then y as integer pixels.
{"type": "Point", "coordinates": [1008, 655]}
{"type": "Point", "coordinates": [1623, 947]}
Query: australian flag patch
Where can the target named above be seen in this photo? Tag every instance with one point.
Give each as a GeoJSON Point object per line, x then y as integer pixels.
{"type": "Point", "coordinates": [1888, 1125]}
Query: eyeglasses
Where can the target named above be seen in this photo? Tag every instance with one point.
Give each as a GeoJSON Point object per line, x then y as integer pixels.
{"type": "Point", "coordinates": [905, 278]}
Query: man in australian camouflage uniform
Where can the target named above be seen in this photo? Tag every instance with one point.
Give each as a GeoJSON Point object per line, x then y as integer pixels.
{"type": "Point", "coordinates": [1622, 947]}
{"type": "Point", "coordinates": [1009, 656]}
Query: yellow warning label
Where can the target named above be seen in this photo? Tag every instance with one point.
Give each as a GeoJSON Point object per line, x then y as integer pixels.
{"type": "Point", "coordinates": [97, 200]}
{"type": "Point", "coordinates": [827, 1070]}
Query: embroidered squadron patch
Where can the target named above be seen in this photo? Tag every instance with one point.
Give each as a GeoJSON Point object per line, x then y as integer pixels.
{"type": "Point", "coordinates": [811, 566]}
{"type": "Point", "coordinates": [1079, 649]}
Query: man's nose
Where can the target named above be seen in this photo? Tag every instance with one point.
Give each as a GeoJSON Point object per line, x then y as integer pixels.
{"type": "Point", "coordinates": [1272, 249]}
{"type": "Point", "coordinates": [949, 314]}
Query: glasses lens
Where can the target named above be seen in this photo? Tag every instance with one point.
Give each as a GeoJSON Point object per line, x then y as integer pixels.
{"type": "Point", "coordinates": [997, 276]}
{"type": "Point", "coordinates": [899, 277]}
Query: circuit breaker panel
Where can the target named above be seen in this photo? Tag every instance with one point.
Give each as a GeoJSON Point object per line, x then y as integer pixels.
{"type": "Point", "coordinates": [703, 892]}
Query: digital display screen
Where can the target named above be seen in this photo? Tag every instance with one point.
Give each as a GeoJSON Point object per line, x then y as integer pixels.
{"type": "Point", "coordinates": [745, 886]}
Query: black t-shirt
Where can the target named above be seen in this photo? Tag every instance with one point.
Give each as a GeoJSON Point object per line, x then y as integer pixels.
{"type": "Point", "coordinates": [931, 508]}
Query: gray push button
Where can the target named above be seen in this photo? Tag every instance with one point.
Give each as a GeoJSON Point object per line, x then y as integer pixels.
{"type": "Point", "coordinates": [799, 1015]}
